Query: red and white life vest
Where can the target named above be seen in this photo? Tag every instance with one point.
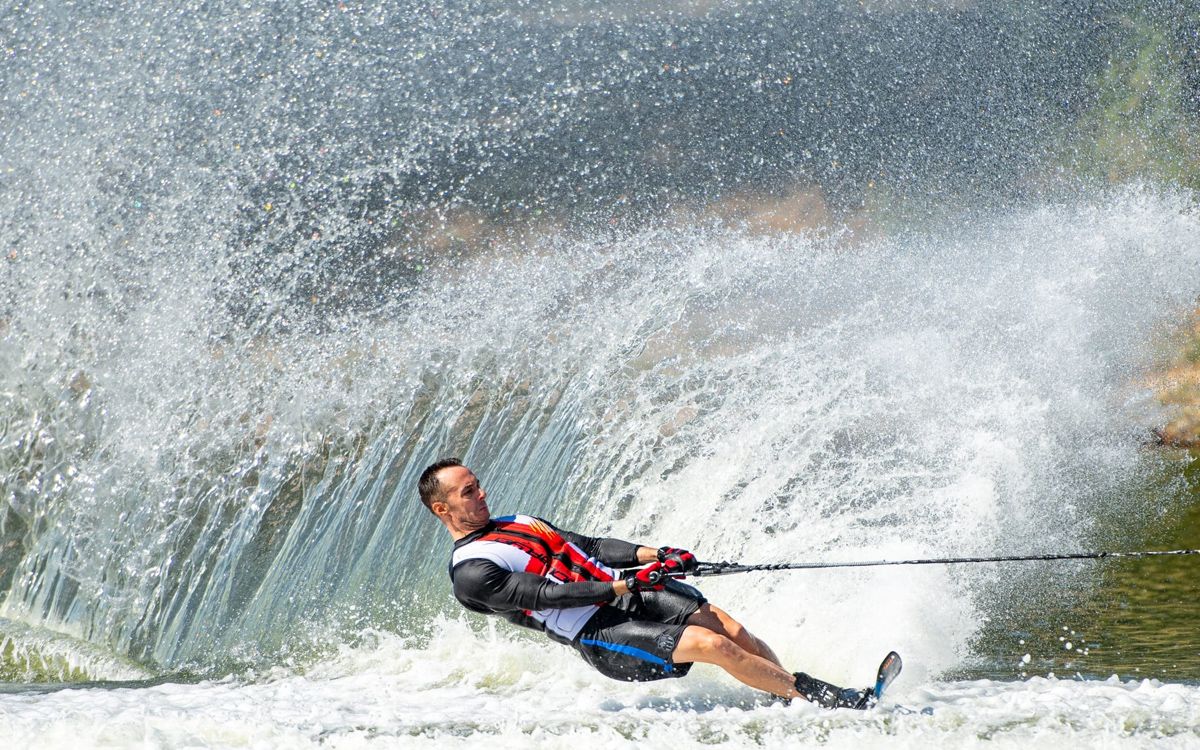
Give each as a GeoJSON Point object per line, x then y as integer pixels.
{"type": "Point", "coordinates": [525, 544]}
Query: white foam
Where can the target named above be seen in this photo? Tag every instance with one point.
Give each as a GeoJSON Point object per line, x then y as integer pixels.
{"type": "Point", "coordinates": [496, 691]}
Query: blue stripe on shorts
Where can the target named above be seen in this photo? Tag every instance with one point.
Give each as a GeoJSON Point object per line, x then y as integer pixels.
{"type": "Point", "coordinates": [637, 653]}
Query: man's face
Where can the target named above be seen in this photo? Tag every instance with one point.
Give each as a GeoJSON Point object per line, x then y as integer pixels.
{"type": "Point", "coordinates": [463, 507]}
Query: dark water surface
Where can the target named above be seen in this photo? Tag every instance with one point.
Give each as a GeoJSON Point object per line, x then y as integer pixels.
{"type": "Point", "coordinates": [1132, 617]}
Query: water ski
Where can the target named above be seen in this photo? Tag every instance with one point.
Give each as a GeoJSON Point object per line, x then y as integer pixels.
{"type": "Point", "coordinates": [889, 669]}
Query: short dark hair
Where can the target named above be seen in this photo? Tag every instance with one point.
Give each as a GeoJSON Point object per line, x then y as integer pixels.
{"type": "Point", "coordinates": [428, 486]}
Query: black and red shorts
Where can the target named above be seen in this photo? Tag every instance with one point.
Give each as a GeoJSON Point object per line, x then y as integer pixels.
{"type": "Point", "coordinates": [632, 638]}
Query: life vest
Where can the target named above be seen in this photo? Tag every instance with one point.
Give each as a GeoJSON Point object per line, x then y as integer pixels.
{"type": "Point", "coordinates": [524, 544]}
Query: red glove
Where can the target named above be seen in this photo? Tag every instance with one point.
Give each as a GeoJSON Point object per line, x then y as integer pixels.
{"type": "Point", "coordinates": [677, 561]}
{"type": "Point", "coordinates": [650, 578]}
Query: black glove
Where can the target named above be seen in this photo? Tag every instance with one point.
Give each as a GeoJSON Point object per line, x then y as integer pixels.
{"type": "Point", "coordinates": [650, 578]}
{"type": "Point", "coordinates": [680, 561]}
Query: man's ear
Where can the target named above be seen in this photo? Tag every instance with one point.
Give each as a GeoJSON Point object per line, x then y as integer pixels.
{"type": "Point", "coordinates": [440, 508]}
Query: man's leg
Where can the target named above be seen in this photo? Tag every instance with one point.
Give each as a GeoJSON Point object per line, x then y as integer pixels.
{"type": "Point", "coordinates": [701, 644]}
{"type": "Point", "coordinates": [720, 621]}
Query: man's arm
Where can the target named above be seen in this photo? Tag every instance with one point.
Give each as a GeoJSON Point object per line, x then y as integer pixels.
{"type": "Point", "coordinates": [484, 585]}
{"type": "Point", "coordinates": [613, 552]}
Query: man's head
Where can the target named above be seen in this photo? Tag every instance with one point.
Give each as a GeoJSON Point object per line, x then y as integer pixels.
{"type": "Point", "coordinates": [453, 494]}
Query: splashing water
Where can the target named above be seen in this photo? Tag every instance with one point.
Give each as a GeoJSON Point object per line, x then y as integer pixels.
{"type": "Point", "coordinates": [943, 392]}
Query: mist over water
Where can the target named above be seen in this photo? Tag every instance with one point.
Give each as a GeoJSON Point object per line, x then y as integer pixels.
{"type": "Point", "coordinates": [310, 148]}
{"type": "Point", "coordinates": [261, 266]}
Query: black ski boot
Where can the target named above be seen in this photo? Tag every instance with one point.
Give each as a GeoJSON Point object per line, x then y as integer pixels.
{"type": "Point", "coordinates": [832, 696]}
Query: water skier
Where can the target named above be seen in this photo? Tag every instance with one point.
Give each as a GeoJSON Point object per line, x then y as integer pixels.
{"type": "Point", "coordinates": [633, 625]}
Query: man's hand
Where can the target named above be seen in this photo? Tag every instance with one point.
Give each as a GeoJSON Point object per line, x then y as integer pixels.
{"type": "Point", "coordinates": [650, 578]}
{"type": "Point", "coordinates": [677, 561]}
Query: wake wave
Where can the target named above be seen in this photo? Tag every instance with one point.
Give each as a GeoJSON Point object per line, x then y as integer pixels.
{"type": "Point", "coordinates": [192, 497]}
